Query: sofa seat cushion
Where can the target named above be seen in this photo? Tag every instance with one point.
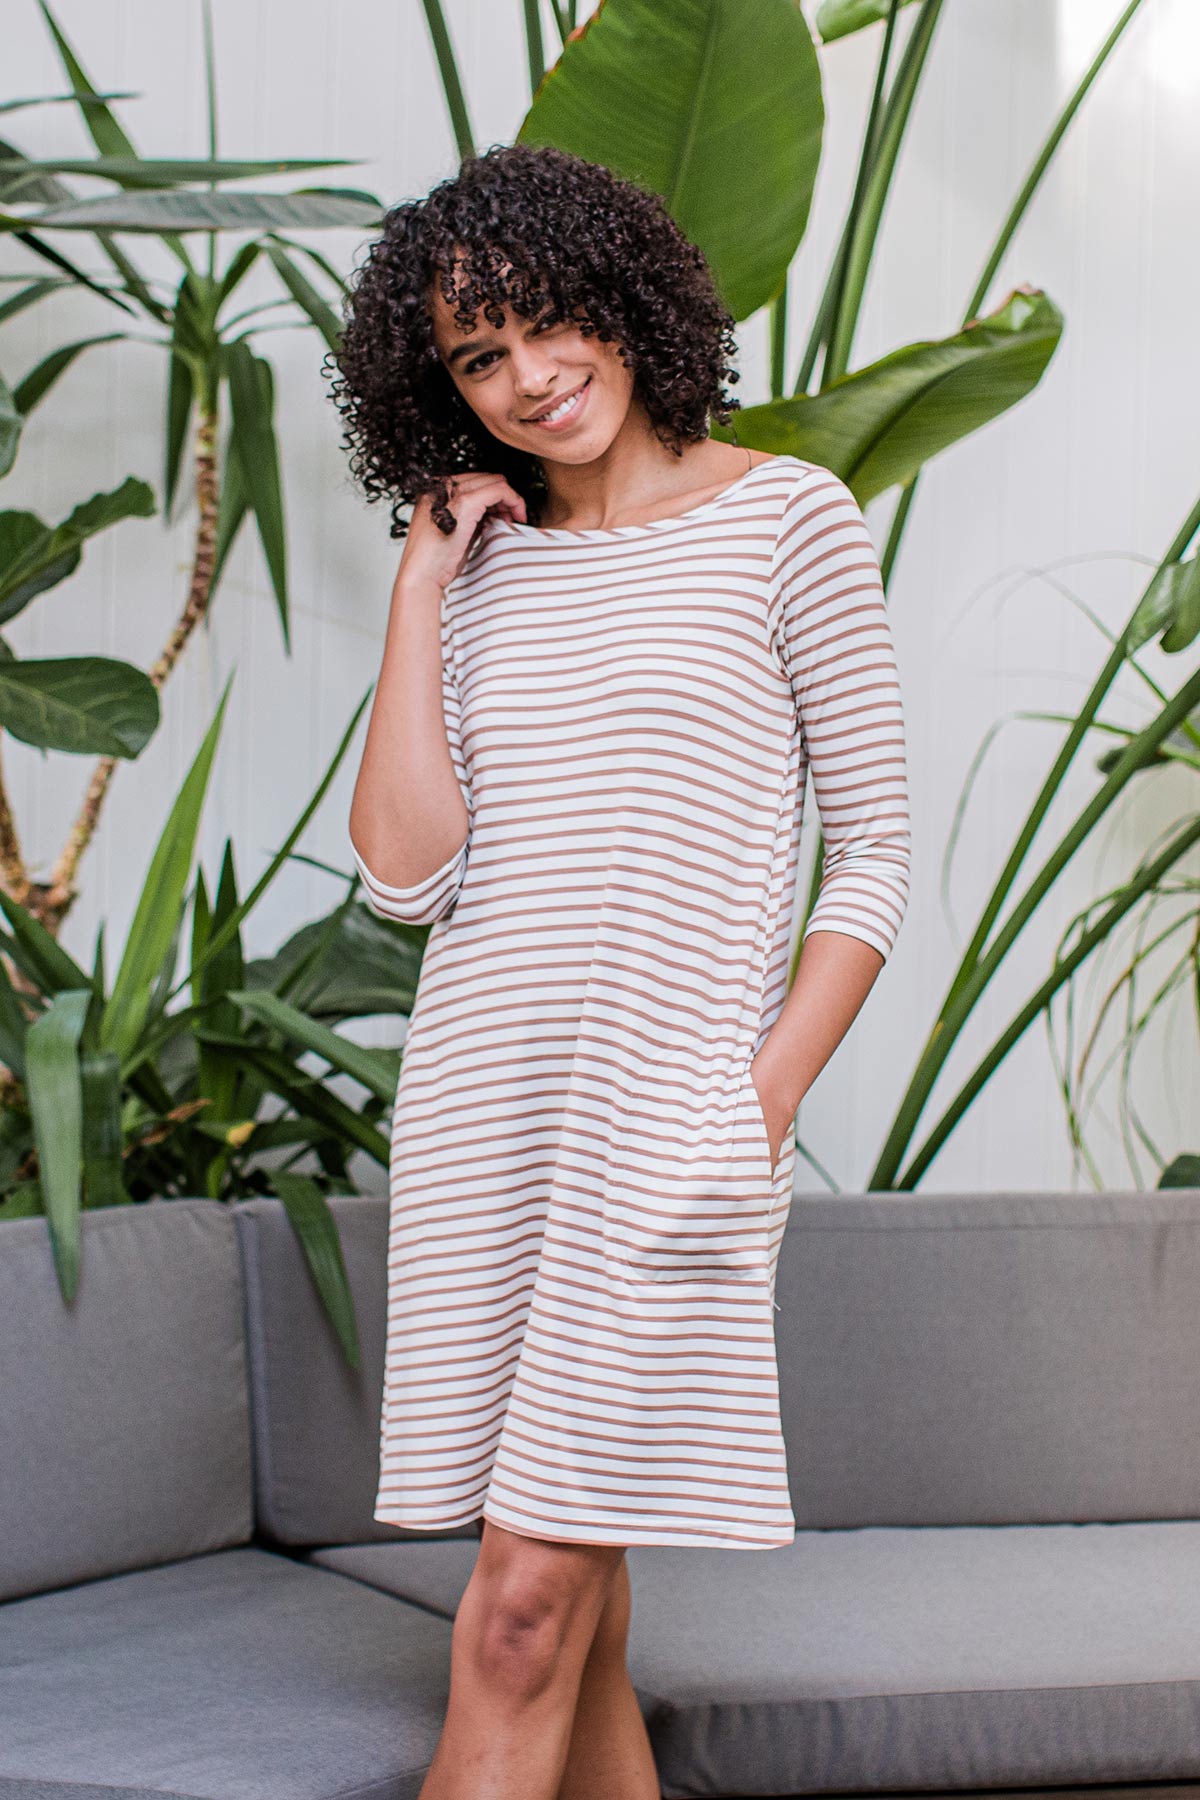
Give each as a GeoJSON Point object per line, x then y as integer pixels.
{"type": "Point", "coordinates": [888, 1658]}
{"type": "Point", "coordinates": [240, 1675]}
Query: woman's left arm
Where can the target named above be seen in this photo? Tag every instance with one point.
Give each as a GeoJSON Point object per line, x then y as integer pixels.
{"type": "Point", "coordinates": [830, 625]}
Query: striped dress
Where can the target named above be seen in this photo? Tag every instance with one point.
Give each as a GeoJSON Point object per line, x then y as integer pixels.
{"type": "Point", "coordinates": [584, 1220]}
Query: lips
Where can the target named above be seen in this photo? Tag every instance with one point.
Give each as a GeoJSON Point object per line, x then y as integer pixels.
{"type": "Point", "coordinates": [539, 418]}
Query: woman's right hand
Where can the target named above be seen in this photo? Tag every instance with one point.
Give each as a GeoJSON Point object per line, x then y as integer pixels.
{"type": "Point", "coordinates": [432, 557]}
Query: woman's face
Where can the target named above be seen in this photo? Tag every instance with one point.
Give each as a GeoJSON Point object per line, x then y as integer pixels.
{"type": "Point", "coordinates": [514, 376]}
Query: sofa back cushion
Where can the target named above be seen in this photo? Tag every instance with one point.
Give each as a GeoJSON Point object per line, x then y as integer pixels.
{"type": "Point", "coordinates": [991, 1358]}
{"type": "Point", "coordinates": [316, 1419]}
{"type": "Point", "coordinates": [124, 1415]}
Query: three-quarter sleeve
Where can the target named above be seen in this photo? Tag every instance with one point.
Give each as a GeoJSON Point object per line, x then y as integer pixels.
{"type": "Point", "coordinates": [830, 629]}
{"type": "Point", "coordinates": [427, 901]}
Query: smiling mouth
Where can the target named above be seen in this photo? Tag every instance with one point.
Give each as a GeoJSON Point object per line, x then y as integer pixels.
{"type": "Point", "coordinates": [562, 409]}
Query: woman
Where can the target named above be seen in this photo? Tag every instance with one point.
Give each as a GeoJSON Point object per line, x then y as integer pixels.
{"type": "Point", "coordinates": [616, 646]}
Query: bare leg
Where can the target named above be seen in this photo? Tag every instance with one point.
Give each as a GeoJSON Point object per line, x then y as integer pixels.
{"type": "Point", "coordinates": [609, 1756]}
{"type": "Point", "coordinates": [521, 1638]}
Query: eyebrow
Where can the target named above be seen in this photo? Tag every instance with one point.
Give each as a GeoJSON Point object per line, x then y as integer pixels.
{"type": "Point", "coordinates": [466, 349]}
{"type": "Point", "coordinates": [473, 344]}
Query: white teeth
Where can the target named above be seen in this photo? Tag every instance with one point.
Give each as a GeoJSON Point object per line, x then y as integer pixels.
{"type": "Point", "coordinates": [545, 418]}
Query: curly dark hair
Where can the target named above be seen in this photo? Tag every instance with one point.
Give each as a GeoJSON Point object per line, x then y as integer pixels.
{"type": "Point", "coordinates": [596, 247]}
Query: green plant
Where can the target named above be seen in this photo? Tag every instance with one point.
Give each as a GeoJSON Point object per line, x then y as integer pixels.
{"type": "Point", "coordinates": [117, 1098]}
{"type": "Point", "coordinates": [210, 369]}
{"type": "Point", "coordinates": [671, 98]}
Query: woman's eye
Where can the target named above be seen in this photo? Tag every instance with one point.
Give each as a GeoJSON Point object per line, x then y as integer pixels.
{"type": "Point", "coordinates": [550, 318]}
{"type": "Point", "coordinates": [476, 361]}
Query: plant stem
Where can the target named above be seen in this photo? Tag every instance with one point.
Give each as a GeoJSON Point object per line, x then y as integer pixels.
{"type": "Point", "coordinates": [55, 898]}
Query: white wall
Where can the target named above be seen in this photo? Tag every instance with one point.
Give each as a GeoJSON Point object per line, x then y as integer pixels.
{"type": "Point", "coordinates": [1071, 497]}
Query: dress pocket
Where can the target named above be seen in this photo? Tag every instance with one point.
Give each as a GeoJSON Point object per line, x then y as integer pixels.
{"type": "Point", "coordinates": [688, 1185]}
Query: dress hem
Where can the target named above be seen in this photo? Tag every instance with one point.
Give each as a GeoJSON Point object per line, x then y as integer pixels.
{"type": "Point", "coordinates": [682, 1539]}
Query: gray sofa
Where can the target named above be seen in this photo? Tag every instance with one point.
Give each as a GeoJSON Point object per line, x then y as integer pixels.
{"type": "Point", "coordinates": [992, 1409]}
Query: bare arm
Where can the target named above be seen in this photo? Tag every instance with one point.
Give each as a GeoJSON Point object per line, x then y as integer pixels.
{"type": "Point", "coordinates": [410, 815]}
{"type": "Point", "coordinates": [831, 625]}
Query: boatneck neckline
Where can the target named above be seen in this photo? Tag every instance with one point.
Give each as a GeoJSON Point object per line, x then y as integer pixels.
{"type": "Point", "coordinates": [609, 531]}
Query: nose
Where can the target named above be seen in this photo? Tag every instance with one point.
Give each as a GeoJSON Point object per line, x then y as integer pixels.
{"type": "Point", "coordinates": [533, 373]}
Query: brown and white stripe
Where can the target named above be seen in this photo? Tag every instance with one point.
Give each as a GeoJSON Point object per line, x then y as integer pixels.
{"type": "Point", "coordinates": [585, 1225]}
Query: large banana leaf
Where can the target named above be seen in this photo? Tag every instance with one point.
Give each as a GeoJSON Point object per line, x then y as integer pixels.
{"type": "Point", "coordinates": [85, 705]}
{"type": "Point", "coordinates": [34, 556]}
{"type": "Point", "coordinates": [155, 920]}
{"type": "Point", "coordinates": [179, 210]}
{"type": "Point", "coordinates": [713, 104]}
{"type": "Point", "coordinates": [56, 1108]}
{"type": "Point", "coordinates": [877, 427]}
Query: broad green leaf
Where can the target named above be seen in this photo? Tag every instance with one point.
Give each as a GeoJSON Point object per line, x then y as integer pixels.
{"type": "Point", "coordinates": [103, 1184]}
{"type": "Point", "coordinates": [378, 1070]}
{"type": "Point", "coordinates": [251, 392]}
{"type": "Point", "coordinates": [37, 384]}
{"type": "Point", "coordinates": [157, 912]}
{"type": "Point", "coordinates": [137, 171]}
{"type": "Point", "coordinates": [10, 427]}
{"type": "Point", "coordinates": [34, 556]}
{"type": "Point", "coordinates": [305, 295]}
{"type": "Point", "coordinates": [180, 210]}
{"type": "Point", "coordinates": [55, 1096]}
{"type": "Point", "coordinates": [838, 18]}
{"type": "Point", "coordinates": [84, 705]}
{"type": "Point", "coordinates": [716, 106]}
{"type": "Point", "coordinates": [878, 426]}
{"type": "Point", "coordinates": [315, 1227]}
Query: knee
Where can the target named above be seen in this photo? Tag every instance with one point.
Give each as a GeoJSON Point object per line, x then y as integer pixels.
{"type": "Point", "coordinates": [524, 1623]}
